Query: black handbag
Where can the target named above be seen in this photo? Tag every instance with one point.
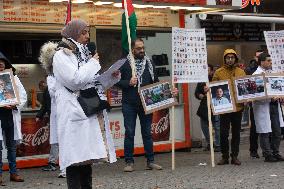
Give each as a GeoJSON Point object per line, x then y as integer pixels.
{"type": "Point", "coordinates": [90, 101]}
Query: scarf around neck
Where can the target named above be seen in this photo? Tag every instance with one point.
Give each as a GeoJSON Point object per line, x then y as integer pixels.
{"type": "Point", "coordinates": [83, 54]}
{"type": "Point", "coordinates": [140, 65]}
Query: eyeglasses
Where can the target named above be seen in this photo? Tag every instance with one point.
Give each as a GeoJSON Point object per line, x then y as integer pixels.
{"type": "Point", "coordinates": [139, 48]}
{"type": "Point", "coordinates": [230, 58]}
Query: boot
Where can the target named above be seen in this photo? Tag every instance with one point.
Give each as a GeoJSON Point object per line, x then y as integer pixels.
{"type": "Point", "coordinates": [14, 177]}
{"type": "Point", "coordinates": [270, 158]}
{"type": "Point", "coordinates": [129, 167]}
{"type": "Point", "coordinates": [235, 161]}
{"type": "Point", "coordinates": [151, 166]}
{"type": "Point", "coordinates": [223, 161]}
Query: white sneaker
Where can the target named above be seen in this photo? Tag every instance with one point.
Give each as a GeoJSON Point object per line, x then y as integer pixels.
{"type": "Point", "coordinates": [62, 174]}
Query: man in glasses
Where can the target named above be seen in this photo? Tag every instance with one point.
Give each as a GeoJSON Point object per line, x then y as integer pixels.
{"type": "Point", "coordinates": [132, 106]}
{"type": "Point", "coordinates": [229, 70]}
{"type": "Point", "coordinates": [268, 117]}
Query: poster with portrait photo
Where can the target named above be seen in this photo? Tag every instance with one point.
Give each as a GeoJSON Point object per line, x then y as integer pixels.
{"type": "Point", "coordinates": [274, 85]}
{"type": "Point", "coordinates": [249, 88]}
{"type": "Point", "coordinates": [156, 96]}
{"type": "Point", "coordinates": [221, 97]}
{"type": "Point", "coordinates": [8, 91]}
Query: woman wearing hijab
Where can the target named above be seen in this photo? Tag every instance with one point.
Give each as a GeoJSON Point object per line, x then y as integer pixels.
{"type": "Point", "coordinates": [10, 122]}
{"type": "Point", "coordinates": [81, 139]}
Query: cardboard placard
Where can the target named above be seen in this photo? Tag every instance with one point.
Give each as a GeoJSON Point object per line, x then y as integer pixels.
{"type": "Point", "coordinates": [274, 84]}
{"type": "Point", "coordinates": [9, 95]}
{"type": "Point", "coordinates": [249, 88]}
{"type": "Point", "coordinates": [221, 98]}
{"type": "Point", "coordinates": [156, 97]}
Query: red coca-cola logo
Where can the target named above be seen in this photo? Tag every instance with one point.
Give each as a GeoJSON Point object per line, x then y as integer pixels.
{"type": "Point", "coordinates": [37, 138]}
{"type": "Point", "coordinates": [161, 126]}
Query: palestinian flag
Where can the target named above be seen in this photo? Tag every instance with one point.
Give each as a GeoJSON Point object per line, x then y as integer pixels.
{"type": "Point", "coordinates": [68, 12]}
{"type": "Point", "coordinates": [132, 25]}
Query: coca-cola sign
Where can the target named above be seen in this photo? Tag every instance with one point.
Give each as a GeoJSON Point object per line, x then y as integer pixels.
{"type": "Point", "coordinates": [35, 137]}
{"type": "Point", "coordinates": [161, 125]}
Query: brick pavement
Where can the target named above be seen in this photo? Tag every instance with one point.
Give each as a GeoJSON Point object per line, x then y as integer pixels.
{"type": "Point", "coordinates": [252, 174]}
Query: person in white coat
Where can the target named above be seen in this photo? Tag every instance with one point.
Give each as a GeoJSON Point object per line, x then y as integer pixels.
{"type": "Point", "coordinates": [81, 138]}
{"type": "Point", "coordinates": [10, 121]}
{"type": "Point", "coordinates": [268, 117]}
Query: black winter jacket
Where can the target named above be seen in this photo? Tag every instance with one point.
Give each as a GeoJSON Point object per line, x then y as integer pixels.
{"type": "Point", "coordinates": [130, 94]}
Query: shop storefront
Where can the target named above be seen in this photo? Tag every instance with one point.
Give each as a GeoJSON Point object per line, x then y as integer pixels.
{"type": "Point", "coordinates": [26, 25]}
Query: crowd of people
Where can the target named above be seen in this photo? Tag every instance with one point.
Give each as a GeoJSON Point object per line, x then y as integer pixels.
{"type": "Point", "coordinates": [78, 140]}
{"type": "Point", "coordinates": [266, 117]}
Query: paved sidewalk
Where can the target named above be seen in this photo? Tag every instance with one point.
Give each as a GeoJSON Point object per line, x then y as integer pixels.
{"type": "Point", "coordinates": [253, 173]}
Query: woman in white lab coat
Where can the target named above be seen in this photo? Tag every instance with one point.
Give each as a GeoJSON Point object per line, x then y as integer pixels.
{"type": "Point", "coordinates": [81, 139]}
{"type": "Point", "coordinates": [10, 117]}
{"type": "Point", "coordinates": [268, 117]}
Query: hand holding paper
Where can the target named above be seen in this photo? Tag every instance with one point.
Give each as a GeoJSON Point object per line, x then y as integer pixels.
{"type": "Point", "coordinates": [111, 76]}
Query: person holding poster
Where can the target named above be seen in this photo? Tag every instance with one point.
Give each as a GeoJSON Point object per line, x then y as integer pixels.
{"type": "Point", "coordinates": [253, 136]}
{"type": "Point", "coordinates": [229, 70]}
{"type": "Point", "coordinates": [202, 112]}
{"type": "Point", "coordinates": [10, 122]}
{"type": "Point", "coordinates": [268, 117]}
{"type": "Point", "coordinates": [132, 105]}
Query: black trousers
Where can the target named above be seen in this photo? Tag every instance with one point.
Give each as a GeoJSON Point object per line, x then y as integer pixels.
{"type": "Point", "coordinates": [79, 177]}
{"type": "Point", "coordinates": [253, 136]}
{"type": "Point", "coordinates": [227, 120]}
{"type": "Point", "coordinates": [270, 142]}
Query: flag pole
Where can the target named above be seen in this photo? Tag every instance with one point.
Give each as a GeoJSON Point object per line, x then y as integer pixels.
{"type": "Point", "coordinates": [210, 128]}
{"type": "Point", "coordinates": [68, 12]}
{"type": "Point", "coordinates": [129, 39]}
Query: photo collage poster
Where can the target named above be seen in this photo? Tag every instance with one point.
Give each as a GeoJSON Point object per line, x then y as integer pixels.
{"type": "Point", "coordinates": [275, 45]}
{"type": "Point", "coordinates": [275, 85]}
{"type": "Point", "coordinates": [156, 96]}
{"type": "Point", "coordinates": [189, 55]}
{"type": "Point", "coordinates": [250, 88]}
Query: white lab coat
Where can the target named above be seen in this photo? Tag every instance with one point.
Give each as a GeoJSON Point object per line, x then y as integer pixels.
{"type": "Point", "coordinates": [51, 83]}
{"type": "Point", "coordinates": [17, 113]}
{"type": "Point", "coordinates": [261, 112]}
{"type": "Point", "coordinates": [80, 137]}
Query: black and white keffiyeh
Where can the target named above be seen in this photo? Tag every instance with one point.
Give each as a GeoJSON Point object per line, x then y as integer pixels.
{"type": "Point", "coordinates": [140, 65]}
{"type": "Point", "coordinates": [83, 56]}
{"type": "Point", "coordinates": [83, 53]}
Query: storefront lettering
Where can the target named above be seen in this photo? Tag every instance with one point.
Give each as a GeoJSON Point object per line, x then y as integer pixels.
{"type": "Point", "coordinates": [252, 2]}
{"type": "Point", "coordinates": [37, 138]}
{"type": "Point", "coordinates": [116, 131]}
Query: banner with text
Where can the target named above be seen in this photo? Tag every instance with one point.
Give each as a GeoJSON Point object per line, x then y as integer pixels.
{"type": "Point", "coordinates": [189, 55]}
{"type": "Point", "coordinates": [275, 45]}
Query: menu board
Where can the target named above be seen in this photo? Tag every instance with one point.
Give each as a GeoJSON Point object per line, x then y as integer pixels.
{"type": "Point", "coordinates": [227, 31]}
{"type": "Point", "coordinates": [42, 11]}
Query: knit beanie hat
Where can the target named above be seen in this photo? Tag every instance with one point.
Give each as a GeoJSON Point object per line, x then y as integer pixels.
{"type": "Point", "coordinates": [74, 28]}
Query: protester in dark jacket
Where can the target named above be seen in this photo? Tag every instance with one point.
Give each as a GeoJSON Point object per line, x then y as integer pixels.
{"type": "Point", "coordinates": [200, 93]}
{"type": "Point", "coordinates": [131, 104]}
{"type": "Point", "coordinates": [253, 137]}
